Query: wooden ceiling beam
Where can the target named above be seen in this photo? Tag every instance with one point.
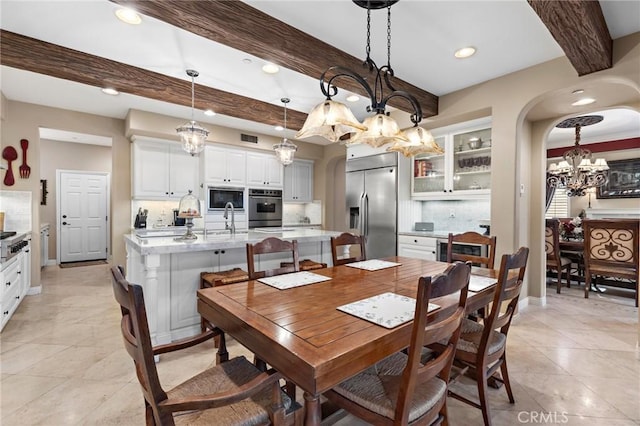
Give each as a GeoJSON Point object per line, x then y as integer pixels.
{"type": "Point", "coordinates": [238, 25]}
{"type": "Point", "coordinates": [581, 31]}
{"type": "Point", "coordinates": [29, 54]}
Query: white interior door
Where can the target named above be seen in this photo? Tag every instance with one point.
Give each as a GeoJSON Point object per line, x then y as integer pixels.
{"type": "Point", "coordinates": [82, 216]}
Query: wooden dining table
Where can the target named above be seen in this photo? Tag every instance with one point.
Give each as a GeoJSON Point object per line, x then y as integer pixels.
{"type": "Point", "coordinates": [302, 334]}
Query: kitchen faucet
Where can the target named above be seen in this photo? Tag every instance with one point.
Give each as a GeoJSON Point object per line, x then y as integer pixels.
{"type": "Point", "coordinates": [232, 228]}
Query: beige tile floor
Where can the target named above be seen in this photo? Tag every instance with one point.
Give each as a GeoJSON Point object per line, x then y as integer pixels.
{"type": "Point", "coordinates": [62, 361]}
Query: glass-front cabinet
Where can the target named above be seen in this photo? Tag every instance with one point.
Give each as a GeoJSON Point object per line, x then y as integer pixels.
{"type": "Point", "coordinates": [463, 171]}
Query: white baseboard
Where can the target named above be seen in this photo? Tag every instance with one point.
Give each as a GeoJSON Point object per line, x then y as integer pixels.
{"type": "Point", "coordinates": [34, 290]}
{"type": "Point", "coordinates": [537, 301]}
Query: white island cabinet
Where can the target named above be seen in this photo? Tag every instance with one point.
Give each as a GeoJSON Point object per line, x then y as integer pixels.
{"type": "Point", "coordinates": [169, 271]}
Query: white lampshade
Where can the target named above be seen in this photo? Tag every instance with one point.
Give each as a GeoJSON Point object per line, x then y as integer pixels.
{"type": "Point", "coordinates": [553, 167]}
{"type": "Point", "coordinates": [420, 141]}
{"type": "Point", "coordinates": [331, 120]}
{"type": "Point", "coordinates": [601, 164]}
{"type": "Point", "coordinates": [380, 129]}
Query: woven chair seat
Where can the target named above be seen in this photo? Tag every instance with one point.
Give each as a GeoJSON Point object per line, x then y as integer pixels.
{"type": "Point", "coordinates": [564, 261]}
{"type": "Point", "coordinates": [213, 279]}
{"type": "Point", "coordinates": [377, 388]}
{"type": "Point", "coordinates": [306, 265]}
{"type": "Point", "coordinates": [621, 271]}
{"type": "Point", "coordinates": [226, 377]}
{"type": "Point", "coordinates": [471, 334]}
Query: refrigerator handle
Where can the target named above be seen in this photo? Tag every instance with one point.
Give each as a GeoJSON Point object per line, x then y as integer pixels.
{"type": "Point", "coordinates": [361, 214]}
{"type": "Point", "coordinates": [366, 215]}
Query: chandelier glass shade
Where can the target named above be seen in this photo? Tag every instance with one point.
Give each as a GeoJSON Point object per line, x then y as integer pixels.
{"type": "Point", "coordinates": [192, 135]}
{"type": "Point", "coordinates": [285, 150]}
{"type": "Point", "coordinates": [419, 141]}
{"type": "Point", "coordinates": [576, 172]}
{"type": "Point", "coordinates": [335, 122]}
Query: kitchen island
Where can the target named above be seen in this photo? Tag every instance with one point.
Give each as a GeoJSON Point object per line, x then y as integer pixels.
{"type": "Point", "coordinates": [169, 270]}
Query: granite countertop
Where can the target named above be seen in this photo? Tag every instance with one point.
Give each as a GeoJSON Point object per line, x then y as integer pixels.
{"type": "Point", "coordinates": [215, 240]}
{"type": "Point", "coordinates": [300, 225]}
{"type": "Point", "coordinates": [431, 234]}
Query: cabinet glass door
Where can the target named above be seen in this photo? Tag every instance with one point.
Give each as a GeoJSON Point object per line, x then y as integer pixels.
{"type": "Point", "coordinates": [429, 171]}
{"type": "Point", "coordinates": [472, 160]}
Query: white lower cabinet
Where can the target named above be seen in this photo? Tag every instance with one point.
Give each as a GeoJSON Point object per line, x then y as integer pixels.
{"type": "Point", "coordinates": [417, 247]}
{"type": "Point", "coordinates": [13, 287]}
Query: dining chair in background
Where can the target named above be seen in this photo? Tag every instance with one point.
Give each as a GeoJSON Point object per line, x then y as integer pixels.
{"type": "Point", "coordinates": [611, 250]}
{"type": "Point", "coordinates": [231, 392]}
{"type": "Point", "coordinates": [268, 246]}
{"type": "Point", "coordinates": [400, 390]}
{"type": "Point", "coordinates": [482, 346]}
{"type": "Point", "coordinates": [472, 238]}
{"type": "Point", "coordinates": [552, 248]}
{"type": "Point", "coordinates": [345, 243]}
{"type": "Point", "coordinates": [216, 279]}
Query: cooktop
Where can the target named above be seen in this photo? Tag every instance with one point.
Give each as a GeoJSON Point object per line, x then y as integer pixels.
{"type": "Point", "coordinates": [6, 234]}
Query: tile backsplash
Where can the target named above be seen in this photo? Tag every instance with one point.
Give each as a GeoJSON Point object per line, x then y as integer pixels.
{"type": "Point", "coordinates": [296, 213]}
{"type": "Point", "coordinates": [467, 214]}
{"type": "Point", "coordinates": [160, 212]}
{"type": "Point", "coordinates": [16, 206]}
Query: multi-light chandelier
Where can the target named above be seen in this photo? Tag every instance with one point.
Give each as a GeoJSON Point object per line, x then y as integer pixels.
{"type": "Point", "coordinates": [333, 120]}
{"type": "Point", "coordinates": [576, 172]}
{"type": "Point", "coordinates": [192, 135]}
{"type": "Point", "coordinates": [285, 150]}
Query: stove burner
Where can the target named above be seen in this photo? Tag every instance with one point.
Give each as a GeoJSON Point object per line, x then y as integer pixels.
{"type": "Point", "coordinates": [6, 234]}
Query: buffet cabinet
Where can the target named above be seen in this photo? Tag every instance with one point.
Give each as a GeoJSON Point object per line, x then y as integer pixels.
{"type": "Point", "coordinates": [463, 171]}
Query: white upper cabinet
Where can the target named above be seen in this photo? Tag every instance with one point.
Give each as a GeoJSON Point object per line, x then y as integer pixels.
{"type": "Point", "coordinates": [463, 171]}
{"type": "Point", "coordinates": [264, 171]}
{"type": "Point", "coordinates": [224, 166]}
{"type": "Point", "coordinates": [161, 170]}
{"type": "Point", "coordinates": [298, 182]}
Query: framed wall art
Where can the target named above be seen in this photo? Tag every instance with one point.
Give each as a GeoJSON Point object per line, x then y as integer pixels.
{"type": "Point", "coordinates": [624, 180]}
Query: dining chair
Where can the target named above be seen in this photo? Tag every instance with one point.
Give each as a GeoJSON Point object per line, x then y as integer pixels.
{"type": "Point", "coordinates": [611, 250]}
{"type": "Point", "coordinates": [400, 390]}
{"type": "Point", "coordinates": [472, 238]}
{"type": "Point", "coordinates": [552, 248]}
{"type": "Point", "coordinates": [216, 279]}
{"type": "Point", "coordinates": [482, 346]}
{"type": "Point", "coordinates": [339, 243]}
{"type": "Point", "coordinates": [231, 392]}
{"type": "Point", "coordinates": [268, 246]}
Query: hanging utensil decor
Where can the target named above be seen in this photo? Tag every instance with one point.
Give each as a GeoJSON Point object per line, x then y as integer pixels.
{"type": "Point", "coordinates": [10, 154]}
{"type": "Point", "coordinates": [24, 169]}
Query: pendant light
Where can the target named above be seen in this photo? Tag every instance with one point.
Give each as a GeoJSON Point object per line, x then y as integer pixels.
{"type": "Point", "coordinates": [285, 150]}
{"type": "Point", "coordinates": [192, 135]}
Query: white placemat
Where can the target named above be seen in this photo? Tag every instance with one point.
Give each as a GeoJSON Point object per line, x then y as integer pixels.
{"type": "Point", "coordinates": [387, 309]}
{"type": "Point", "coordinates": [296, 279]}
{"type": "Point", "coordinates": [373, 264]}
{"type": "Point", "coordinates": [478, 283]}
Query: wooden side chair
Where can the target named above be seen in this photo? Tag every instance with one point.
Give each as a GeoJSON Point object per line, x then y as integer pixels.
{"type": "Point", "coordinates": [552, 248]}
{"type": "Point", "coordinates": [231, 392]}
{"type": "Point", "coordinates": [611, 249]}
{"type": "Point", "coordinates": [482, 346]}
{"type": "Point", "coordinates": [347, 239]}
{"type": "Point", "coordinates": [272, 245]}
{"type": "Point", "coordinates": [400, 390]}
{"type": "Point", "coordinates": [472, 238]}
{"type": "Point", "coordinates": [216, 279]}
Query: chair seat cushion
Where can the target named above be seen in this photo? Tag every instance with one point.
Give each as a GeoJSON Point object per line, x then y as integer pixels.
{"type": "Point", "coordinates": [377, 388]}
{"type": "Point", "coordinates": [622, 271]}
{"type": "Point", "coordinates": [227, 376]}
{"type": "Point", "coordinates": [235, 275]}
{"type": "Point", "coordinates": [564, 261]}
{"type": "Point", "coordinates": [471, 334]}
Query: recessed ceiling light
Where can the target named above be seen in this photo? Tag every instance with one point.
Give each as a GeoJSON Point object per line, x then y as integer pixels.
{"type": "Point", "coordinates": [210, 112]}
{"type": "Point", "coordinates": [246, 61]}
{"type": "Point", "coordinates": [583, 101]}
{"type": "Point", "coordinates": [270, 68]}
{"type": "Point", "coordinates": [279, 128]}
{"type": "Point", "coordinates": [353, 98]}
{"type": "Point", "coordinates": [128, 16]}
{"type": "Point", "coordinates": [465, 52]}
{"type": "Point", "coordinates": [110, 91]}
{"type": "Point", "coordinates": [577, 91]}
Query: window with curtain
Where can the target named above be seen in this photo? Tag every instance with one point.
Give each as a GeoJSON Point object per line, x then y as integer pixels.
{"type": "Point", "coordinates": [559, 206]}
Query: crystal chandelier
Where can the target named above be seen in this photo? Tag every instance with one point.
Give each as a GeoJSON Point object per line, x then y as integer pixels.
{"type": "Point", "coordinates": [285, 149]}
{"type": "Point", "coordinates": [192, 135]}
{"type": "Point", "coordinates": [576, 172]}
{"type": "Point", "coordinates": [333, 120]}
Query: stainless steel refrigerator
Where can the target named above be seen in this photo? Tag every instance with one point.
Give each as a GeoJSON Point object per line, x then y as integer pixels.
{"type": "Point", "coordinates": [372, 202]}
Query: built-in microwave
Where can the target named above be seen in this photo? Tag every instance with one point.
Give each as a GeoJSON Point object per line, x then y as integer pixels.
{"type": "Point", "coordinates": [218, 197]}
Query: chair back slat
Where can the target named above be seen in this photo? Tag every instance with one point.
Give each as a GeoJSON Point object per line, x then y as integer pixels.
{"type": "Point", "coordinates": [268, 246]}
{"type": "Point", "coordinates": [472, 238]}
{"type": "Point", "coordinates": [552, 240]}
{"type": "Point", "coordinates": [611, 242]}
{"type": "Point", "coordinates": [135, 333]}
{"type": "Point", "coordinates": [347, 239]}
{"type": "Point", "coordinates": [454, 280]}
